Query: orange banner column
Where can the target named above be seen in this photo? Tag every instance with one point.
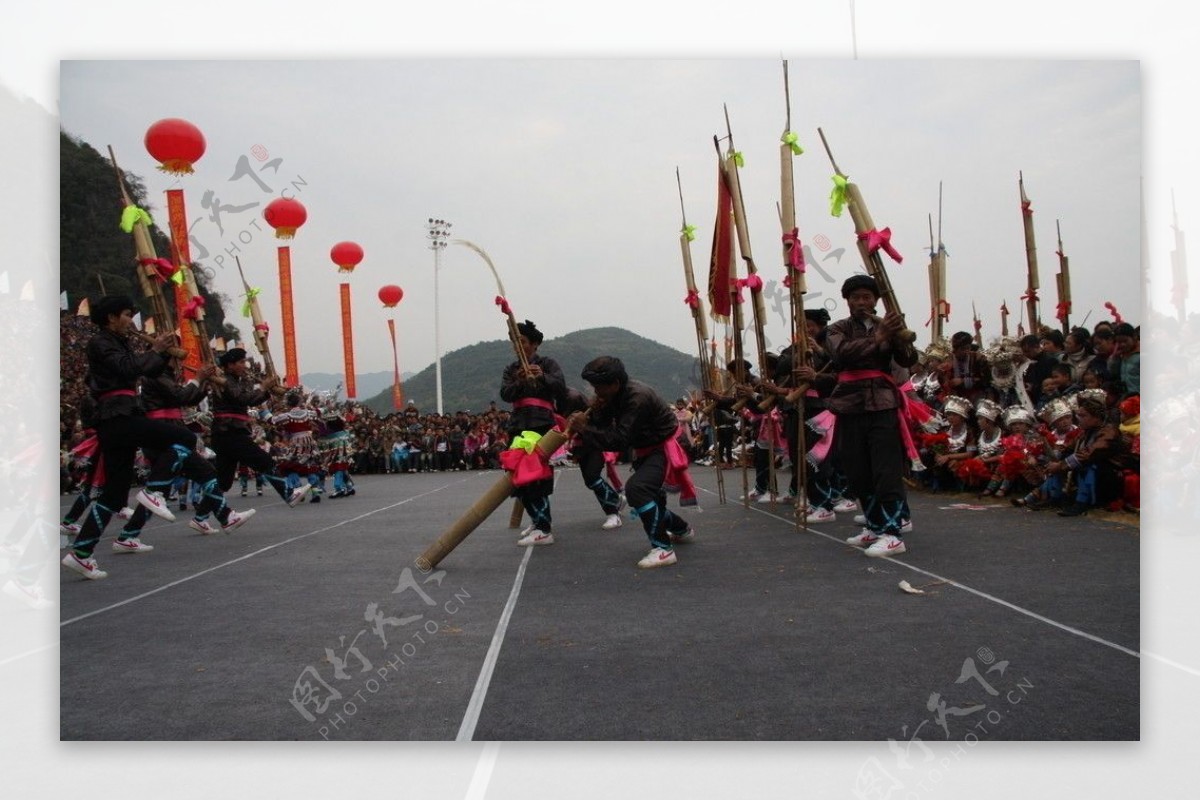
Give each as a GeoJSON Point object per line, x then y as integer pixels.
{"type": "Point", "coordinates": [290, 363]}
{"type": "Point", "coordinates": [348, 343]}
{"type": "Point", "coordinates": [177, 218]}
{"type": "Point", "coordinates": [397, 390]}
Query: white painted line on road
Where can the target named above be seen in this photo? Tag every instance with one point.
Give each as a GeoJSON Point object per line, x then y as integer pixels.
{"type": "Point", "coordinates": [251, 555]}
{"type": "Point", "coordinates": [466, 731]}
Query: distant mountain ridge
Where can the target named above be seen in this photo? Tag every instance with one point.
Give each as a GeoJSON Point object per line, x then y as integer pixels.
{"type": "Point", "coordinates": [471, 375]}
{"type": "Point", "coordinates": [366, 384]}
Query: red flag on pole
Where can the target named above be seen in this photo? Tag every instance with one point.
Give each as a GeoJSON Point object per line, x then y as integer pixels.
{"type": "Point", "coordinates": [720, 265]}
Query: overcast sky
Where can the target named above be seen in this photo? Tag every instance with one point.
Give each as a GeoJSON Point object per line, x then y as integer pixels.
{"type": "Point", "coordinates": [564, 172]}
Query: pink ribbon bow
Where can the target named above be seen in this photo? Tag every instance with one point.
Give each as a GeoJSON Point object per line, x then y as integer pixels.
{"type": "Point", "coordinates": [795, 253]}
{"type": "Point", "coordinates": [266, 329]}
{"type": "Point", "coordinates": [163, 269]}
{"type": "Point", "coordinates": [692, 299]}
{"type": "Point", "coordinates": [752, 281]}
{"type": "Point", "coordinates": [192, 310]}
{"type": "Point", "coordinates": [503, 304]}
{"type": "Point", "coordinates": [1062, 310]}
{"type": "Point", "coordinates": [1026, 208]}
{"type": "Point", "coordinates": [1030, 295]}
{"type": "Point", "coordinates": [881, 239]}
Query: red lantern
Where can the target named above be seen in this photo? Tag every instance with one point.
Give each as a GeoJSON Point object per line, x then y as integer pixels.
{"type": "Point", "coordinates": [176, 144]}
{"type": "Point", "coordinates": [346, 255]}
{"type": "Point", "coordinates": [285, 215]}
{"type": "Point", "coordinates": [390, 295]}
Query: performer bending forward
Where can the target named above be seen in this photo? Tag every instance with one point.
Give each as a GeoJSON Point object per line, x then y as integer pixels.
{"type": "Point", "coordinates": [630, 414]}
{"type": "Point", "coordinates": [869, 435]}
{"type": "Point", "coordinates": [534, 397]}
{"type": "Point", "coordinates": [231, 437]}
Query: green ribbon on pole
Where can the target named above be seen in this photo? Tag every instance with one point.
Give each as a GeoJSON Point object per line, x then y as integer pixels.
{"type": "Point", "coordinates": [178, 277]}
{"type": "Point", "coordinates": [526, 440]}
{"type": "Point", "coordinates": [837, 198]}
{"type": "Point", "coordinates": [790, 139]}
{"type": "Point", "coordinates": [251, 294]}
{"type": "Point", "coordinates": [689, 231]}
{"type": "Point", "coordinates": [131, 216]}
{"type": "Point", "coordinates": [737, 158]}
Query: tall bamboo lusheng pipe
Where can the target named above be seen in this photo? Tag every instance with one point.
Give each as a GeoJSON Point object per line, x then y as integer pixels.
{"type": "Point", "coordinates": [864, 226]}
{"type": "Point", "coordinates": [260, 332]}
{"type": "Point", "coordinates": [149, 278]}
{"type": "Point", "coordinates": [1031, 266]}
{"type": "Point", "coordinates": [1063, 280]}
{"type": "Point", "coordinates": [514, 335]}
{"type": "Point", "coordinates": [694, 301]}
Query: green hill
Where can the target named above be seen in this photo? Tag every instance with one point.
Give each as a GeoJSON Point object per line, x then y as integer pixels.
{"type": "Point", "coordinates": [471, 375]}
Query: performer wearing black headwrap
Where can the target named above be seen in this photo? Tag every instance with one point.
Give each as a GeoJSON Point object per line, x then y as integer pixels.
{"type": "Point", "coordinates": [629, 414]}
{"type": "Point", "coordinates": [534, 396]}
{"type": "Point", "coordinates": [869, 437]}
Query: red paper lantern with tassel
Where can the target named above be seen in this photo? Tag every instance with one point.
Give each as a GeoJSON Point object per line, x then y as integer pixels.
{"type": "Point", "coordinates": [176, 144]}
{"type": "Point", "coordinates": [390, 295]}
{"type": "Point", "coordinates": [346, 255]}
{"type": "Point", "coordinates": [285, 215]}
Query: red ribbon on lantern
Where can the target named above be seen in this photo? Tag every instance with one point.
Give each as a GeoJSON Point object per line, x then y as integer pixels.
{"type": "Point", "coordinates": [881, 239]}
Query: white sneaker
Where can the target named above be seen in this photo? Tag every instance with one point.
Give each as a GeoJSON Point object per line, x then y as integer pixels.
{"type": "Point", "coordinates": [125, 513]}
{"type": "Point", "coordinates": [69, 528]}
{"type": "Point", "coordinates": [612, 521]}
{"type": "Point", "coordinates": [236, 519]}
{"type": "Point", "coordinates": [687, 536]}
{"type": "Point", "coordinates": [156, 503]}
{"type": "Point", "coordinates": [84, 567]}
{"type": "Point", "coordinates": [299, 494]}
{"type": "Point", "coordinates": [787, 497]}
{"type": "Point", "coordinates": [203, 526]}
{"type": "Point", "coordinates": [860, 520]}
{"type": "Point", "coordinates": [845, 505]}
{"type": "Point", "coordinates": [31, 596]}
{"type": "Point", "coordinates": [819, 515]}
{"type": "Point", "coordinates": [131, 545]}
{"type": "Point", "coordinates": [767, 497]}
{"type": "Point", "coordinates": [537, 537]}
{"type": "Point", "coordinates": [863, 539]}
{"type": "Point", "coordinates": [753, 495]}
{"type": "Point", "coordinates": [658, 557]}
{"type": "Point", "coordinates": [887, 545]}
{"type": "Point", "coordinates": [525, 532]}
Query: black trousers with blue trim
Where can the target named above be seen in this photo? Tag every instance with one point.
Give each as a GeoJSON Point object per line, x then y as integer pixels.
{"type": "Point", "coordinates": [871, 453]}
{"type": "Point", "coordinates": [645, 494]}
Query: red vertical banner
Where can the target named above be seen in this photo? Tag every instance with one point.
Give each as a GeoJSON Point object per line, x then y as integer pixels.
{"type": "Point", "coordinates": [397, 390]}
{"type": "Point", "coordinates": [290, 363]}
{"type": "Point", "coordinates": [348, 343]}
{"type": "Point", "coordinates": [177, 217]}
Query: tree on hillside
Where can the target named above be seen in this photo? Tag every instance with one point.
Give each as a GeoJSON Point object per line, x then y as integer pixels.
{"type": "Point", "coordinates": [92, 246]}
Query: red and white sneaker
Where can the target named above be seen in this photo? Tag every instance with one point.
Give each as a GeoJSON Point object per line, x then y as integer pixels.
{"type": "Point", "coordinates": [84, 567]}
{"type": "Point", "coordinates": [299, 494]}
{"type": "Point", "coordinates": [125, 513]}
{"type": "Point", "coordinates": [156, 503]}
{"type": "Point", "coordinates": [69, 528]}
{"type": "Point", "coordinates": [863, 539]}
{"type": "Point", "coordinates": [820, 515]}
{"type": "Point", "coordinates": [612, 521]}
{"type": "Point", "coordinates": [537, 537]}
{"type": "Point", "coordinates": [887, 545]}
{"type": "Point", "coordinates": [845, 505]}
{"type": "Point", "coordinates": [236, 519]}
{"type": "Point", "coordinates": [203, 526]}
{"type": "Point", "coordinates": [658, 557]}
{"type": "Point", "coordinates": [131, 545]}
